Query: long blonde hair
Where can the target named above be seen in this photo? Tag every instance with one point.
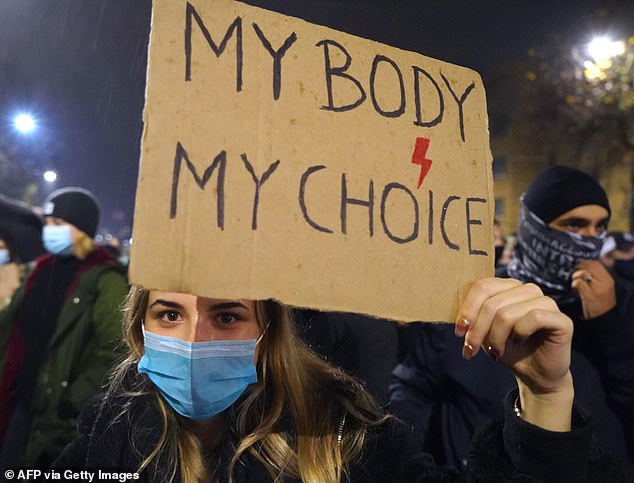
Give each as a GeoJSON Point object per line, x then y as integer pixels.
{"type": "Point", "coordinates": [83, 245]}
{"type": "Point", "coordinates": [315, 399]}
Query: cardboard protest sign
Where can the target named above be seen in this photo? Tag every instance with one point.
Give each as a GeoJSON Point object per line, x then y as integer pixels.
{"type": "Point", "coordinates": [286, 160]}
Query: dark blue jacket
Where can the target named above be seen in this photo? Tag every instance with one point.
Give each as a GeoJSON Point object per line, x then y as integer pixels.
{"type": "Point", "coordinates": [445, 398]}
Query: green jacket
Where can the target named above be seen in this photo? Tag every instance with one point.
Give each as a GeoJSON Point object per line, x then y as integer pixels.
{"type": "Point", "coordinates": [81, 351]}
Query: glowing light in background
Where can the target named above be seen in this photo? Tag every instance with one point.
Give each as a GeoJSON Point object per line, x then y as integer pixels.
{"type": "Point", "coordinates": [24, 123]}
{"type": "Point", "coordinates": [50, 176]}
{"type": "Point", "coordinates": [602, 48]}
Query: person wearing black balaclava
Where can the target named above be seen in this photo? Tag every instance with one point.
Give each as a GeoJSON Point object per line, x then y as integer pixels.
{"type": "Point", "coordinates": [564, 214]}
{"type": "Point", "coordinates": [58, 334]}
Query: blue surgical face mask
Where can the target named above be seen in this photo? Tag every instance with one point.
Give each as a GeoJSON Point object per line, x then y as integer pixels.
{"type": "Point", "coordinates": [57, 239]}
{"type": "Point", "coordinates": [198, 379]}
{"type": "Point", "coordinates": [4, 256]}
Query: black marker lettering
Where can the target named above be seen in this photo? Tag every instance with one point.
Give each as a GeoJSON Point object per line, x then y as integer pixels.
{"type": "Point", "coordinates": [345, 201]}
{"type": "Point", "coordinates": [302, 199]}
{"type": "Point", "coordinates": [339, 72]}
{"type": "Point", "coordinates": [277, 57]}
{"type": "Point", "coordinates": [441, 100]}
{"type": "Point", "coordinates": [401, 109]}
{"type": "Point", "coordinates": [473, 222]}
{"type": "Point", "coordinates": [236, 26]}
{"type": "Point", "coordinates": [460, 102]}
{"type": "Point", "coordinates": [443, 216]}
{"type": "Point", "coordinates": [258, 184]}
{"type": "Point", "coordinates": [391, 236]}
{"type": "Point", "coordinates": [430, 228]}
{"type": "Point", "coordinates": [219, 162]}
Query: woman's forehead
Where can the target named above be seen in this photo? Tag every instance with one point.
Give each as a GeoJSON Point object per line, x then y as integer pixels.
{"type": "Point", "coordinates": [191, 299]}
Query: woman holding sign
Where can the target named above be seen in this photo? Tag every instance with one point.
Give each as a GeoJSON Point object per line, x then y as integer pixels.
{"type": "Point", "coordinates": [223, 390]}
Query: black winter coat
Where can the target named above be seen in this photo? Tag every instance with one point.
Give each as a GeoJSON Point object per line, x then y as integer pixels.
{"type": "Point", "coordinates": [445, 398]}
{"type": "Point", "coordinates": [508, 449]}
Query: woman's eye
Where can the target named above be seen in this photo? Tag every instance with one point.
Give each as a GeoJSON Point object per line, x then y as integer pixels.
{"type": "Point", "coordinates": [226, 318]}
{"type": "Point", "coordinates": [170, 316]}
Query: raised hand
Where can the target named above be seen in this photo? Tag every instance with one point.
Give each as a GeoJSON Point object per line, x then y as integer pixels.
{"type": "Point", "coordinates": [524, 330]}
{"type": "Point", "coordinates": [596, 288]}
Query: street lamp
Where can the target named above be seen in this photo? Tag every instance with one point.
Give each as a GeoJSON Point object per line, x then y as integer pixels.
{"type": "Point", "coordinates": [50, 176]}
{"type": "Point", "coordinates": [602, 50]}
{"type": "Point", "coordinates": [24, 123]}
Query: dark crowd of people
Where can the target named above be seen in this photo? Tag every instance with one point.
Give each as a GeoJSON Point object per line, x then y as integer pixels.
{"type": "Point", "coordinates": [60, 331]}
{"type": "Point", "coordinates": [533, 380]}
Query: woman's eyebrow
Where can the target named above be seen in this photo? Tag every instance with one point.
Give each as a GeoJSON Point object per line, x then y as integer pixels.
{"type": "Point", "coordinates": [166, 303]}
{"type": "Point", "coordinates": [228, 305]}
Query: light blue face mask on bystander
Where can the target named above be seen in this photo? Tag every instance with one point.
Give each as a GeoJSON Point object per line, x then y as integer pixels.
{"type": "Point", "coordinates": [57, 239]}
{"type": "Point", "coordinates": [198, 379]}
{"type": "Point", "coordinates": [4, 256]}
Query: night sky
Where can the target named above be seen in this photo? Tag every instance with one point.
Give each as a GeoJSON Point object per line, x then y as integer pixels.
{"type": "Point", "coordinates": [79, 66]}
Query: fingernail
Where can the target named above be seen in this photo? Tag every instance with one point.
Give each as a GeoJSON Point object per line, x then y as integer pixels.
{"type": "Point", "coordinates": [461, 328]}
{"type": "Point", "coordinates": [493, 353]}
{"type": "Point", "coordinates": [467, 351]}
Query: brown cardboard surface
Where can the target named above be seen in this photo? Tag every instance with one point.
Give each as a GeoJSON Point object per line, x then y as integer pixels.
{"type": "Point", "coordinates": [277, 162]}
{"type": "Point", "coordinates": [9, 282]}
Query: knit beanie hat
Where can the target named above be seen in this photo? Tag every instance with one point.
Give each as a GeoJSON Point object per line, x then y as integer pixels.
{"type": "Point", "coordinates": [559, 189]}
{"type": "Point", "coordinates": [76, 206]}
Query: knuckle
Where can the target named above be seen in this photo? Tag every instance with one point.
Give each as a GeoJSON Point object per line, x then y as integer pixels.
{"type": "Point", "coordinates": [551, 304]}
{"type": "Point", "coordinates": [533, 288]}
{"type": "Point", "coordinates": [516, 282]}
{"type": "Point", "coordinates": [537, 315]}
{"type": "Point", "coordinates": [482, 284]}
{"type": "Point", "coordinates": [490, 307]}
{"type": "Point", "coordinates": [505, 315]}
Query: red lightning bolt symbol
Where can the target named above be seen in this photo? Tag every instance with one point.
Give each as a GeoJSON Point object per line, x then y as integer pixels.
{"type": "Point", "coordinates": [420, 149]}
